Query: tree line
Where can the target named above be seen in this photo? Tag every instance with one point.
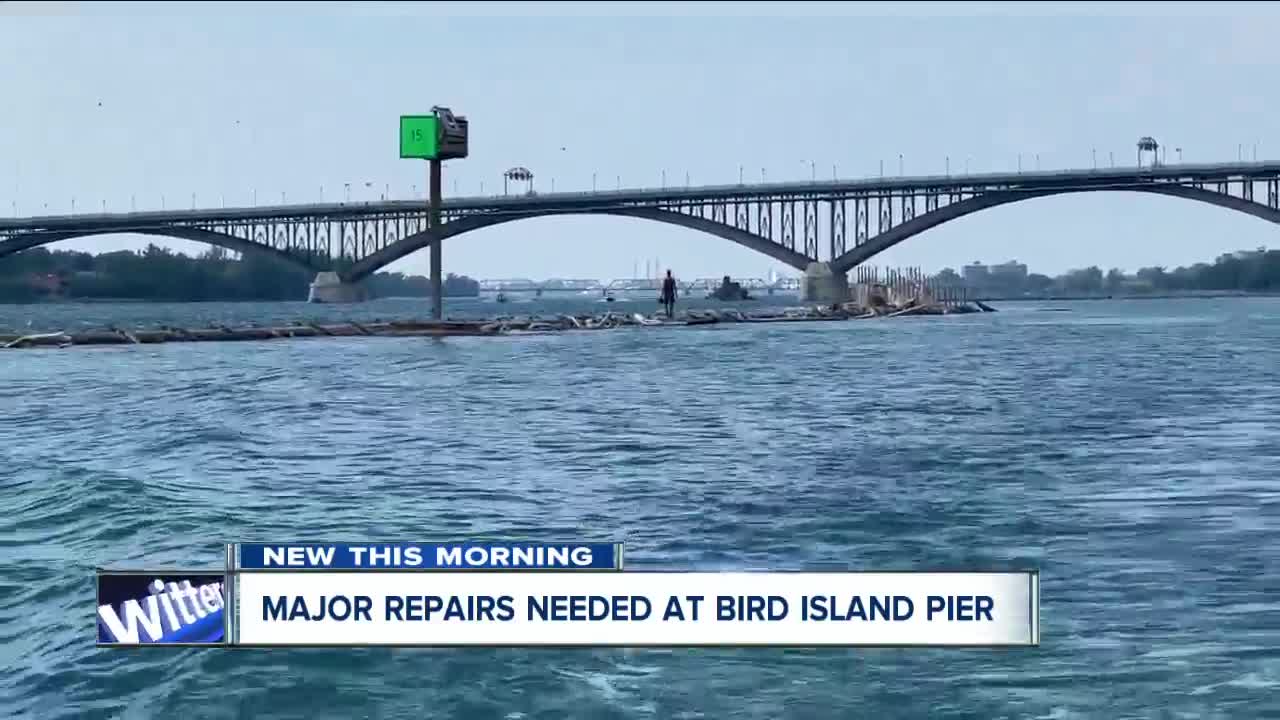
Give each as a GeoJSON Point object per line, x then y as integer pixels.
{"type": "Point", "coordinates": [1249, 271]}
{"type": "Point", "coordinates": [160, 274]}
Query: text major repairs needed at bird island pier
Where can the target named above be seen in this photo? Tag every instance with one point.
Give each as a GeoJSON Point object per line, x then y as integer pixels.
{"type": "Point", "coordinates": [623, 608]}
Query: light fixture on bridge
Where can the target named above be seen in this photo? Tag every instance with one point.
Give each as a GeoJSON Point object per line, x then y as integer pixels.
{"type": "Point", "coordinates": [1147, 143]}
{"type": "Point", "coordinates": [518, 174]}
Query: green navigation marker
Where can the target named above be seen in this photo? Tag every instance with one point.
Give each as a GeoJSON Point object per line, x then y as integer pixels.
{"type": "Point", "coordinates": [419, 136]}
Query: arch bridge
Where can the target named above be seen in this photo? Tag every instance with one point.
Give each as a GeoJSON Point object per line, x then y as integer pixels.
{"type": "Point", "coordinates": [824, 228]}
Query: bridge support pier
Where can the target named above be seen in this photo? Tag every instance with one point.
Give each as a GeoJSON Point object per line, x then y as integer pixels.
{"type": "Point", "coordinates": [329, 288]}
{"type": "Point", "coordinates": [821, 285]}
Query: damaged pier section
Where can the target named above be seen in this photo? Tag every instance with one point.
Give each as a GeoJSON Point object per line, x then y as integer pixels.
{"type": "Point", "coordinates": [880, 307]}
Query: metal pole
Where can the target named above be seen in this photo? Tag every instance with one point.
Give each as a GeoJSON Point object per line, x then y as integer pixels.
{"type": "Point", "coordinates": [1095, 158]}
{"type": "Point", "coordinates": [813, 170]}
{"type": "Point", "coordinates": [739, 174]}
{"type": "Point", "coordinates": [593, 183]}
{"type": "Point", "coordinates": [433, 222]}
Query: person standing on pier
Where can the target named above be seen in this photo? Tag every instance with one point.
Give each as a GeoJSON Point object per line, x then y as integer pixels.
{"type": "Point", "coordinates": [668, 297]}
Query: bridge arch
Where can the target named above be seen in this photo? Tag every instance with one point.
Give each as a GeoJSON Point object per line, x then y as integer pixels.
{"type": "Point", "coordinates": [26, 241]}
{"type": "Point", "coordinates": [417, 241]}
{"type": "Point", "coordinates": [889, 238]}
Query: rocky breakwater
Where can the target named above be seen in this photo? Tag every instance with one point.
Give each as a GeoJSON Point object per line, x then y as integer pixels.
{"type": "Point", "coordinates": [878, 307]}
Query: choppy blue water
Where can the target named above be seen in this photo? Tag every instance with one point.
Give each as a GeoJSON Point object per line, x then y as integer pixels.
{"type": "Point", "coordinates": [1128, 449]}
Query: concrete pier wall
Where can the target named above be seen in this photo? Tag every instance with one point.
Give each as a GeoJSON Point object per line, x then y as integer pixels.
{"type": "Point", "coordinates": [329, 288]}
{"type": "Point", "coordinates": [820, 285]}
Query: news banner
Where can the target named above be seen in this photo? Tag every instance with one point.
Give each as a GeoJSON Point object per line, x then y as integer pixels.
{"type": "Point", "coordinates": [524, 594]}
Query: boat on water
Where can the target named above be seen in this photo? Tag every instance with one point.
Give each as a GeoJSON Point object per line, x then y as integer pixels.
{"type": "Point", "coordinates": [501, 297]}
{"type": "Point", "coordinates": [729, 291]}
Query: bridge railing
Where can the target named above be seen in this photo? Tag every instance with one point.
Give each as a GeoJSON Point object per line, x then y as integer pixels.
{"type": "Point", "coordinates": [648, 194]}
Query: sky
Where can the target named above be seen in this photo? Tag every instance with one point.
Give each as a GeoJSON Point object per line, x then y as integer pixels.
{"type": "Point", "coordinates": [133, 104]}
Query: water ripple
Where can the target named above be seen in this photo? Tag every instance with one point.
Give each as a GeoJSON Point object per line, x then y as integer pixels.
{"type": "Point", "coordinates": [1127, 449]}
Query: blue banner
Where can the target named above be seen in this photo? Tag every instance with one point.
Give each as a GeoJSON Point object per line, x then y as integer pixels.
{"type": "Point", "coordinates": [431, 556]}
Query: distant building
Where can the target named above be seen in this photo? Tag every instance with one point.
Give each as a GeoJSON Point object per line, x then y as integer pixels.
{"type": "Point", "coordinates": [976, 273]}
{"type": "Point", "coordinates": [1010, 272]}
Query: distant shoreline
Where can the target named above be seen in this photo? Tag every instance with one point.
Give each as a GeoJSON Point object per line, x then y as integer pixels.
{"type": "Point", "coordinates": [1186, 295]}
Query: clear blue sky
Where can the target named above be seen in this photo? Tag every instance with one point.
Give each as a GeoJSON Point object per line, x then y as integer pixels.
{"type": "Point", "coordinates": [222, 100]}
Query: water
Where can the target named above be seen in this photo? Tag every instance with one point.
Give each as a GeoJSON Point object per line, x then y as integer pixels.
{"type": "Point", "coordinates": [1128, 449]}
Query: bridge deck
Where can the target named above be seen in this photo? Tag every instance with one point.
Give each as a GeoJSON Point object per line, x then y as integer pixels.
{"type": "Point", "coordinates": [1213, 172]}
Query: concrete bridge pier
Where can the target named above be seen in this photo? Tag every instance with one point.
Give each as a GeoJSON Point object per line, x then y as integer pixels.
{"type": "Point", "coordinates": [329, 288]}
{"type": "Point", "coordinates": [823, 286]}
